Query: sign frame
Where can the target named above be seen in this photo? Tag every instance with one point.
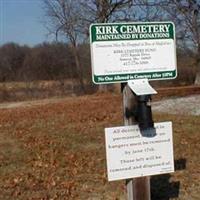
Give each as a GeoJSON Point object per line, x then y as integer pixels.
{"type": "Point", "coordinates": [120, 78]}
{"type": "Point", "coordinates": [131, 155]}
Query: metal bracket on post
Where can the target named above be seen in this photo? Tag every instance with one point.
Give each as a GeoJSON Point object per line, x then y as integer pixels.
{"type": "Point", "coordinates": [141, 87]}
{"type": "Point", "coordinates": [142, 113]}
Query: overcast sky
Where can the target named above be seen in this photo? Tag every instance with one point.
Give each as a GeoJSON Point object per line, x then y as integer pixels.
{"type": "Point", "coordinates": [22, 21]}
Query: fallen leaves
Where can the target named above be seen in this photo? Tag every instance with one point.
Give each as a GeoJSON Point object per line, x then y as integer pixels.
{"type": "Point", "coordinates": [57, 151]}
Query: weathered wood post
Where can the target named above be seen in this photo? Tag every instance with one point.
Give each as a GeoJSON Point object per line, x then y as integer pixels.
{"type": "Point", "coordinates": [138, 188]}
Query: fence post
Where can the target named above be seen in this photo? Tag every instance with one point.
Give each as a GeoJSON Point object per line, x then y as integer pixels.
{"type": "Point", "coordinates": [137, 188]}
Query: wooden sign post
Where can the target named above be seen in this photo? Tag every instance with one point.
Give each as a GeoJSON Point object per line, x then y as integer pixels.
{"type": "Point", "coordinates": [138, 188]}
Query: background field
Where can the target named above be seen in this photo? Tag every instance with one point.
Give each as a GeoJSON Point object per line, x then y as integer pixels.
{"type": "Point", "coordinates": [56, 151]}
{"type": "Point", "coordinates": [52, 117]}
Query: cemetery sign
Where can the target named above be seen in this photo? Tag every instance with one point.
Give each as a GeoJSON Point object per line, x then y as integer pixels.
{"type": "Point", "coordinates": [128, 51]}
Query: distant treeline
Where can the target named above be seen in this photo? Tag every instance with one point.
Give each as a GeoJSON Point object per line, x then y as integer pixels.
{"type": "Point", "coordinates": [46, 61]}
{"type": "Point", "coordinates": [56, 61]}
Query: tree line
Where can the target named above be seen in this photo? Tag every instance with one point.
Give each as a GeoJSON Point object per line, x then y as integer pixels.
{"type": "Point", "coordinates": [46, 61]}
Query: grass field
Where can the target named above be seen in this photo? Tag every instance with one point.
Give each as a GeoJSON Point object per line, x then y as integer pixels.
{"type": "Point", "coordinates": [36, 90]}
{"type": "Point", "coordinates": [23, 91]}
{"type": "Point", "coordinates": [57, 151]}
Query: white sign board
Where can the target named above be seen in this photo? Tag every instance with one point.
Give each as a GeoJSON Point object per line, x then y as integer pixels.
{"type": "Point", "coordinates": [131, 155]}
{"type": "Point", "coordinates": [128, 51]}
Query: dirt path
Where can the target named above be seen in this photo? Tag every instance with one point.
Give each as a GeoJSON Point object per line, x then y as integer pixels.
{"type": "Point", "coordinates": [182, 105]}
{"type": "Point", "coordinates": [31, 103]}
{"type": "Point", "coordinates": [189, 105]}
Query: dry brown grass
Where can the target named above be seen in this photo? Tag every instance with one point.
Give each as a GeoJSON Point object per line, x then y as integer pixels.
{"type": "Point", "coordinates": [57, 151]}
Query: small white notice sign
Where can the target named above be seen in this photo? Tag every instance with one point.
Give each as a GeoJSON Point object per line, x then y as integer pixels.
{"type": "Point", "coordinates": [130, 155]}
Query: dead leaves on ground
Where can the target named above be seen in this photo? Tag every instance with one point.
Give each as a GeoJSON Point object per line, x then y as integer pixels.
{"type": "Point", "coordinates": [60, 153]}
{"type": "Point", "coordinates": [64, 145]}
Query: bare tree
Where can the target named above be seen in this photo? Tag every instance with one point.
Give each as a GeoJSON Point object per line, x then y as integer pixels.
{"type": "Point", "coordinates": [186, 15]}
{"type": "Point", "coordinates": [64, 19]}
{"type": "Point", "coordinates": [11, 60]}
{"type": "Point", "coordinates": [48, 62]}
{"type": "Point", "coordinates": [104, 11]}
{"type": "Point", "coordinates": [72, 19]}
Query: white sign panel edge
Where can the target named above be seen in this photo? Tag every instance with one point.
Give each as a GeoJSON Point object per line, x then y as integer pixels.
{"type": "Point", "coordinates": [122, 152]}
{"type": "Point", "coordinates": [120, 80]}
